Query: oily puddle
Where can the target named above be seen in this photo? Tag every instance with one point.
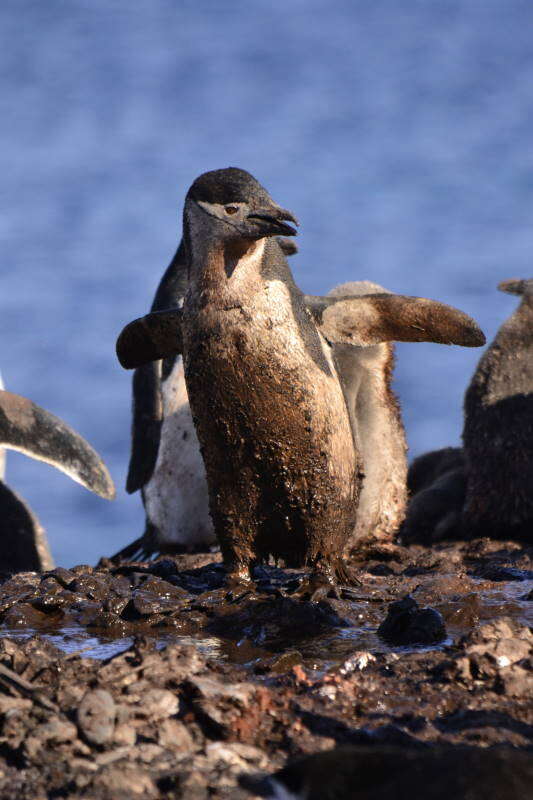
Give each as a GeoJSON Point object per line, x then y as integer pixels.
{"type": "Point", "coordinates": [273, 634]}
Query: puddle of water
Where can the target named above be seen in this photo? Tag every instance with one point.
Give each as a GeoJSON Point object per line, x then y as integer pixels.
{"type": "Point", "coordinates": [320, 652]}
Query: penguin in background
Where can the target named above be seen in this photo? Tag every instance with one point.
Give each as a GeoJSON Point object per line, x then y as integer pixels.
{"type": "Point", "coordinates": [498, 429]}
{"type": "Point", "coordinates": [283, 470]}
{"type": "Point", "coordinates": [366, 373]}
{"type": "Point", "coordinates": [30, 429]}
{"type": "Point", "coordinates": [484, 488]}
{"type": "Point", "coordinates": [166, 464]}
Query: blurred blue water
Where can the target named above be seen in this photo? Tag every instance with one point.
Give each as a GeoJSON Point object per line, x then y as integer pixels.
{"type": "Point", "coordinates": [399, 133]}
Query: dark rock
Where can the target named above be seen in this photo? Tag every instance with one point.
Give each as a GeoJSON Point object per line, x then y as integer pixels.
{"type": "Point", "coordinates": [63, 576]}
{"type": "Point", "coordinates": [407, 623]}
{"type": "Point", "coordinates": [496, 572]}
{"type": "Point", "coordinates": [95, 587]}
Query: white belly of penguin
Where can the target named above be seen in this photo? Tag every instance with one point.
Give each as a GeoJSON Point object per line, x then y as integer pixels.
{"type": "Point", "coordinates": [175, 497]}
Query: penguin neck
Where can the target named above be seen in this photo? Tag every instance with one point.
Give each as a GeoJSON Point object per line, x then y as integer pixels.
{"type": "Point", "coordinates": [221, 270]}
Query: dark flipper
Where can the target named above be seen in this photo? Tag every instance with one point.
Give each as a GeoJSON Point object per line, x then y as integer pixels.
{"type": "Point", "coordinates": [146, 426]}
{"type": "Point", "coordinates": [150, 338]}
{"type": "Point", "coordinates": [23, 545]}
{"type": "Point", "coordinates": [370, 319]}
{"type": "Point", "coordinates": [28, 428]}
{"type": "Point", "coordinates": [147, 407]}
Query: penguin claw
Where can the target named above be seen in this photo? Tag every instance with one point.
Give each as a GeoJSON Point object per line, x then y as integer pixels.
{"type": "Point", "coordinates": [240, 585]}
{"type": "Point", "coordinates": [317, 587]}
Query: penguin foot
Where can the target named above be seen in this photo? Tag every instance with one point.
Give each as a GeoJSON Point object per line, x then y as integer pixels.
{"type": "Point", "coordinates": [239, 584]}
{"type": "Point", "coordinates": [317, 587]}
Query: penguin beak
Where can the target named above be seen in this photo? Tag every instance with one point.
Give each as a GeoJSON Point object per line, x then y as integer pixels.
{"type": "Point", "coordinates": [268, 221]}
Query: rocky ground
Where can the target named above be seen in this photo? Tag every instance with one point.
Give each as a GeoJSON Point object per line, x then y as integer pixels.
{"type": "Point", "coordinates": [430, 648]}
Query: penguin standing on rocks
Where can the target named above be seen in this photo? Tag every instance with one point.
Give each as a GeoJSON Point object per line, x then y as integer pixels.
{"type": "Point", "coordinates": [165, 462]}
{"type": "Point", "coordinates": [498, 429]}
{"type": "Point", "coordinates": [484, 488]}
{"type": "Point", "coordinates": [283, 470]}
{"type": "Point", "coordinates": [28, 428]}
{"type": "Point", "coordinates": [366, 373]}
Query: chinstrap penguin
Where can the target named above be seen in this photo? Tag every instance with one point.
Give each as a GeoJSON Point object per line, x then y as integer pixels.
{"type": "Point", "coordinates": [366, 373]}
{"type": "Point", "coordinates": [28, 428]}
{"type": "Point", "coordinates": [484, 488]}
{"type": "Point", "coordinates": [498, 429]}
{"type": "Point", "coordinates": [283, 470]}
{"type": "Point", "coordinates": [165, 462]}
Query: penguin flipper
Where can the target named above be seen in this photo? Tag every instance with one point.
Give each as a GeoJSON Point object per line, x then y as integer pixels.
{"type": "Point", "coordinates": [146, 394]}
{"type": "Point", "coordinates": [150, 338]}
{"type": "Point", "coordinates": [367, 320]}
{"type": "Point", "coordinates": [23, 544]}
{"type": "Point", "coordinates": [146, 425]}
{"type": "Point", "coordinates": [30, 429]}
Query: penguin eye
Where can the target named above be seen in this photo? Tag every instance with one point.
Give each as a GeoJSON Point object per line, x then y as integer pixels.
{"type": "Point", "coordinates": [231, 209]}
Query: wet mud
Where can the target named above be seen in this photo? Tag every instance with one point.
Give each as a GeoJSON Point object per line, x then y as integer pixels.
{"type": "Point", "coordinates": [151, 680]}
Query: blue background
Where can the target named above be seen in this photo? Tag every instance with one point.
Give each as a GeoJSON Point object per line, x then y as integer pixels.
{"type": "Point", "coordinates": [398, 132]}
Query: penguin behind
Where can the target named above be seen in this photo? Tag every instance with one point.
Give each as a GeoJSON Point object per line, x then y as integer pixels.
{"type": "Point", "coordinates": [484, 488]}
{"type": "Point", "coordinates": [498, 429]}
{"type": "Point", "coordinates": [165, 461]}
{"type": "Point", "coordinates": [366, 373]}
{"type": "Point", "coordinates": [283, 471]}
{"type": "Point", "coordinates": [28, 428]}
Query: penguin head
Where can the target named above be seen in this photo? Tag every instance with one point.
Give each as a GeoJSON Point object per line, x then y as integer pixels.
{"type": "Point", "coordinates": [225, 205]}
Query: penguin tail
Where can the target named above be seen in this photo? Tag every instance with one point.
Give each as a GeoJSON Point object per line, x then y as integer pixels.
{"type": "Point", "coordinates": [136, 551]}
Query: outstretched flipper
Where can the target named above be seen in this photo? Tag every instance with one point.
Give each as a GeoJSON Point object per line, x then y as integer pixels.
{"type": "Point", "coordinates": [150, 338]}
{"type": "Point", "coordinates": [370, 319]}
{"type": "Point", "coordinates": [28, 428]}
{"type": "Point", "coordinates": [23, 544]}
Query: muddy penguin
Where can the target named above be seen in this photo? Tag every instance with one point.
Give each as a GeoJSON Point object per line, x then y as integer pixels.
{"type": "Point", "coordinates": [283, 470]}
{"type": "Point", "coordinates": [367, 375]}
{"type": "Point", "coordinates": [165, 462]}
{"type": "Point", "coordinates": [28, 428]}
{"type": "Point", "coordinates": [498, 429]}
{"type": "Point", "coordinates": [483, 489]}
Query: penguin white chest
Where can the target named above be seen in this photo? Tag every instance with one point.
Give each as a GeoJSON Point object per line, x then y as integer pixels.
{"type": "Point", "coordinates": [176, 497]}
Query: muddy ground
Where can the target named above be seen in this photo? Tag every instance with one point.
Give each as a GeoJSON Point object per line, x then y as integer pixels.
{"type": "Point", "coordinates": [149, 681]}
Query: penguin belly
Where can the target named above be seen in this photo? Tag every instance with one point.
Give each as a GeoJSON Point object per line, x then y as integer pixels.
{"type": "Point", "coordinates": [281, 464]}
{"type": "Point", "coordinates": [382, 442]}
{"type": "Point", "coordinates": [176, 498]}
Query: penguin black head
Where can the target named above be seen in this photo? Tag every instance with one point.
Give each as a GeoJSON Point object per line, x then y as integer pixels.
{"type": "Point", "coordinates": [229, 204]}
